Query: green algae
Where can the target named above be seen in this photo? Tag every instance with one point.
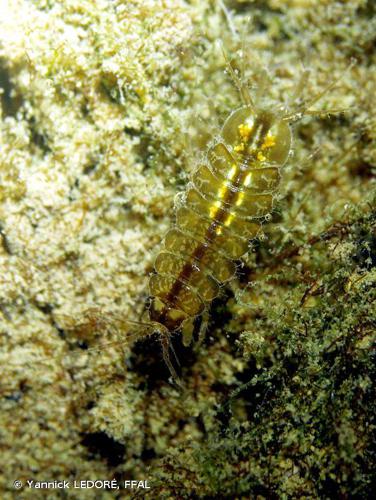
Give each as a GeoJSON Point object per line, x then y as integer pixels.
{"type": "Point", "coordinates": [278, 401]}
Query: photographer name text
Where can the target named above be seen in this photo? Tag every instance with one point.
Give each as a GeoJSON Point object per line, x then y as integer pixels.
{"type": "Point", "coordinates": [112, 484]}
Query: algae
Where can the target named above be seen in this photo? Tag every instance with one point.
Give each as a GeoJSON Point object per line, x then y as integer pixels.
{"type": "Point", "coordinates": [99, 130]}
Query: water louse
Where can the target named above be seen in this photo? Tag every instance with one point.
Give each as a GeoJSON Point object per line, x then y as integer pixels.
{"type": "Point", "coordinates": [227, 199]}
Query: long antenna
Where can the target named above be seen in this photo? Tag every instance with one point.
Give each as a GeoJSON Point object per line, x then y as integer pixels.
{"type": "Point", "coordinates": [228, 19]}
{"type": "Point", "coordinates": [239, 83]}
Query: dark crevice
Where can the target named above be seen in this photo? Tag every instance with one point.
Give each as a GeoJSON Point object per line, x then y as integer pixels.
{"type": "Point", "coordinates": [38, 138]}
{"type": "Point", "coordinates": [100, 444]}
{"type": "Point", "coordinates": [10, 100]}
{"type": "Point", "coordinates": [147, 359]}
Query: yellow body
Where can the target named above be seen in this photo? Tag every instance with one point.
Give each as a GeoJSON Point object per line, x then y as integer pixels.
{"type": "Point", "coordinates": [225, 203]}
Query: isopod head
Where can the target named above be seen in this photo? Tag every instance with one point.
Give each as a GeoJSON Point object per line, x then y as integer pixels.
{"type": "Point", "coordinates": [260, 133]}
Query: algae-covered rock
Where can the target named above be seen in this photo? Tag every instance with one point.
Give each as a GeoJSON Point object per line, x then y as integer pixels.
{"type": "Point", "coordinates": [106, 108]}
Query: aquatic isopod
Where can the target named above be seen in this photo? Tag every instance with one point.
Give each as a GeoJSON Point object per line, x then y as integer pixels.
{"type": "Point", "coordinates": [229, 196]}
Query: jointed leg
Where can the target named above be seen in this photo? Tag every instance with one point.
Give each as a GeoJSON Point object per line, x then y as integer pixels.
{"type": "Point", "coordinates": [203, 327]}
{"type": "Point", "coordinates": [299, 87]}
{"type": "Point", "coordinates": [166, 346]}
{"type": "Point", "coordinates": [304, 108]}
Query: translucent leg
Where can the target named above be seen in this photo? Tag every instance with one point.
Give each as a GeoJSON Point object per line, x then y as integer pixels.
{"type": "Point", "coordinates": [86, 328]}
{"type": "Point", "coordinates": [166, 347]}
{"type": "Point", "coordinates": [203, 327]}
{"type": "Point", "coordinates": [299, 87]}
{"type": "Point", "coordinates": [304, 108]}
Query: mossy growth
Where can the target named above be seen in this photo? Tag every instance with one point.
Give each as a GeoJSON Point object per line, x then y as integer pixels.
{"type": "Point", "coordinates": [278, 400]}
{"type": "Point", "coordinates": [301, 422]}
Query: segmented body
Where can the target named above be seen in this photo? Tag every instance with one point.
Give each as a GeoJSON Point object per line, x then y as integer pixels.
{"type": "Point", "coordinates": [229, 196]}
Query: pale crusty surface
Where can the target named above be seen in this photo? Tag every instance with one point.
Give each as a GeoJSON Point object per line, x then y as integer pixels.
{"type": "Point", "coordinates": [96, 101]}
